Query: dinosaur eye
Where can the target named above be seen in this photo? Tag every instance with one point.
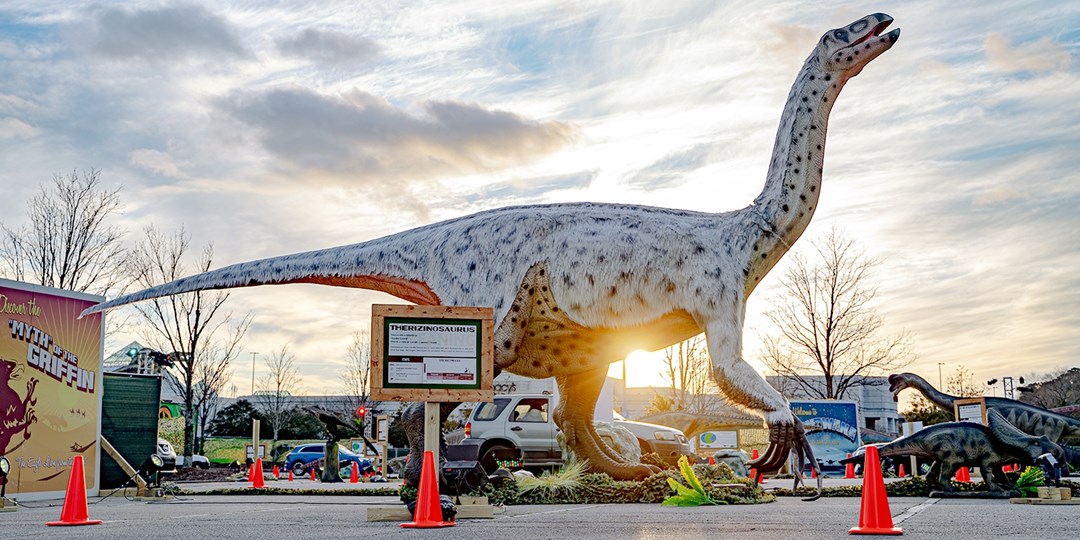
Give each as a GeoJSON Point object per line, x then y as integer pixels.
{"type": "Point", "coordinates": [841, 35]}
{"type": "Point", "coordinates": [859, 26]}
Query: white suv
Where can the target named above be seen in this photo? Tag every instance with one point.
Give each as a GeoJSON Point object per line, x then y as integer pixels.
{"type": "Point", "coordinates": [524, 422]}
{"type": "Point", "coordinates": [519, 422]}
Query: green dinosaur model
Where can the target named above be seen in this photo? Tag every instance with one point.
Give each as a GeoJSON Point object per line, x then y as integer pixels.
{"type": "Point", "coordinates": [962, 444]}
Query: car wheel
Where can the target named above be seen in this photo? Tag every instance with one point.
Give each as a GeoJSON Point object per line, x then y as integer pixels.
{"type": "Point", "coordinates": [487, 461]}
{"type": "Point", "coordinates": [298, 468]}
{"type": "Point", "coordinates": [203, 466]}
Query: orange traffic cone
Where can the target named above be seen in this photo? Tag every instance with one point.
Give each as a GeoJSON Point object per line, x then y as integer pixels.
{"type": "Point", "coordinates": [257, 480]}
{"type": "Point", "coordinates": [313, 474]}
{"type": "Point", "coordinates": [251, 471]}
{"type": "Point", "coordinates": [277, 472]}
{"type": "Point", "coordinates": [902, 474]}
{"type": "Point", "coordinates": [849, 469]}
{"type": "Point", "coordinates": [290, 475]}
{"type": "Point", "coordinates": [874, 514]}
{"type": "Point", "coordinates": [813, 472]}
{"type": "Point", "coordinates": [354, 478]}
{"type": "Point", "coordinates": [712, 460]}
{"type": "Point", "coordinates": [428, 513]}
{"type": "Point", "coordinates": [75, 511]}
{"type": "Point", "coordinates": [963, 475]}
{"type": "Point", "coordinates": [753, 471]}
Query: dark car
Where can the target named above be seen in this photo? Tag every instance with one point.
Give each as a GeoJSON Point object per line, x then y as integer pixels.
{"type": "Point", "coordinates": [301, 457]}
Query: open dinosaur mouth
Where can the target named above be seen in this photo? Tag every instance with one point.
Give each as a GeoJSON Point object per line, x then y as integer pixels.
{"type": "Point", "coordinates": [876, 32]}
{"type": "Point", "coordinates": [895, 387]}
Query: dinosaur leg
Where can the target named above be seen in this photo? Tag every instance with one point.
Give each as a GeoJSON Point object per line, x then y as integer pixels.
{"type": "Point", "coordinates": [574, 415]}
{"type": "Point", "coordinates": [1072, 455]}
{"type": "Point", "coordinates": [933, 476]}
{"type": "Point", "coordinates": [413, 417]}
{"type": "Point", "coordinates": [945, 475]}
{"type": "Point", "coordinates": [744, 387]}
{"type": "Point", "coordinates": [987, 472]}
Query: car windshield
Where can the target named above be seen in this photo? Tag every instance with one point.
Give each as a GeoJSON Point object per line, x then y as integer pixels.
{"type": "Point", "coordinates": [491, 410]}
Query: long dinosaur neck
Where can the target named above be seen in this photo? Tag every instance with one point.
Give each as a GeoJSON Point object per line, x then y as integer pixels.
{"type": "Point", "coordinates": [942, 400]}
{"type": "Point", "coordinates": [783, 209]}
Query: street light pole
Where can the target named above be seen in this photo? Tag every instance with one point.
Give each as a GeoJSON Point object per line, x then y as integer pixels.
{"type": "Point", "coordinates": [253, 353]}
{"type": "Point", "coordinates": [622, 404]}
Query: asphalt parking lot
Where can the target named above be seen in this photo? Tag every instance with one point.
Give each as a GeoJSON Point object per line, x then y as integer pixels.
{"type": "Point", "coordinates": [198, 516]}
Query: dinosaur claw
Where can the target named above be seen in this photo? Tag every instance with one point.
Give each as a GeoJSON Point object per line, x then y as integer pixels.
{"type": "Point", "coordinates": [785, 438]}
{"type": "Point", "coordinates": [780, 439]}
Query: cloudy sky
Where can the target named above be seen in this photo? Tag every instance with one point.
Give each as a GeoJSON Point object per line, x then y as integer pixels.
{"type": "Point", "coordinates": [272, 127]}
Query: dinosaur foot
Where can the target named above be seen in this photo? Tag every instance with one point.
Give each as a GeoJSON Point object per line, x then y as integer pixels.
{"type": "Point", "coordinates": [785, 438]}
{"type": "Point", "coordinates": [601, 459]}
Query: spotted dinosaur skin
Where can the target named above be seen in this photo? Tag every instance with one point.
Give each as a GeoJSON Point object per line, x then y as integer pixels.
{"type": "Point", "coordinates": [575, 287]}
{"type": "Point", "coordinates": [1028, 418]}
{"type": "Point", "coordinates": [961, 444]}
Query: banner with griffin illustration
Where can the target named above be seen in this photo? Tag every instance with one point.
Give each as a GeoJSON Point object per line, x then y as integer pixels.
{"type": "Point", "coordinates": [50, 387]}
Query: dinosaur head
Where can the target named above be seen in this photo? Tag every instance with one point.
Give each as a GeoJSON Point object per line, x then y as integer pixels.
{"type": "Point", "coordinates": [1030, 445]}
{"type": "Point", "coordinates": [897, 383]}
{"type": "Point", "coordinates": [845, 51]}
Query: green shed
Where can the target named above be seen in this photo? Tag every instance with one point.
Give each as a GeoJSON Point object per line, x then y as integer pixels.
{"type": "Point", "coordinates": [129, 420]}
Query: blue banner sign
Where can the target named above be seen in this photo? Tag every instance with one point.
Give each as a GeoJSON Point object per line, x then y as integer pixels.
{"type": "Point", "coordinates": [832, 427]}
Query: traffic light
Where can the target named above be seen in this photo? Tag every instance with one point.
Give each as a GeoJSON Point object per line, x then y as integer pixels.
{"type": "Point", "coordinates": [361, 412]}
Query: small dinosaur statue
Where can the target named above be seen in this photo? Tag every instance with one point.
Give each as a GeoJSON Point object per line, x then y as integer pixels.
{"type": "Point", "coordinates": [961, 444]}
{"type": "Point", "coordinates": [1028, 418]}
{"type": "Point", "coordinates": [577, 286]}
{"type": "Point", "coordinates": [336, 429]}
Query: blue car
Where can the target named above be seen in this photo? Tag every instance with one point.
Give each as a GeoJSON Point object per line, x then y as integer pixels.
{"type": "Point", "coordinates": [300, 458]}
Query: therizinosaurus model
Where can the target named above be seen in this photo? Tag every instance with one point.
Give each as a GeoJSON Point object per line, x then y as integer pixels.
{"type": "Point", "coordinates": [1025, 416]}
{"type": "Point", "coordinates": [961, 444]}
{"type": "Point", "coordinates": [575, 287]}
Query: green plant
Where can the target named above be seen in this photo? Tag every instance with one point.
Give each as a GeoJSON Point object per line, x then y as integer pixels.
{"type": "Point", "coordinates": [562, 483]}
{"type": "Point", "coordinates": [1030, 480]}
{"type": "Point", "coordinates": [694, 495]}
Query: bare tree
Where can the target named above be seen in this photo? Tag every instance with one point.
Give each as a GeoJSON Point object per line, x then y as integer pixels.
{"type": "Point", "coordinates": [191, 327]}
{"type": "Point", "coordinates": [355, 376]}
{"type": "Point", "coordinates": [1059, 389]}
{"type": "Point", "coordinates": [688, 372]}
{"type": "Point", "coordinates": [276, 388]}
{"type": "Point", "coordinates": [962, 383]}
{"type": "Point", "coordinates": [827, 324]}
{"type": "Point", "coordinates": [212, 374]}
{"type": "Point", "coordinates": [67, 243]}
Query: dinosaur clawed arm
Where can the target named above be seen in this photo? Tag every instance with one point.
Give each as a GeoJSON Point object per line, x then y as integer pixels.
{"type": "Point", "coordinates": [745, 387]}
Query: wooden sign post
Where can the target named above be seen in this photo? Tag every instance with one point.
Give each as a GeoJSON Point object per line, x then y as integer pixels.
{"type": "Point", "coordinates": [970, 410]}
{"type": "Point", "coordinates": [433, 354]}
{"type": "Point", "coordinates": [382, 433]}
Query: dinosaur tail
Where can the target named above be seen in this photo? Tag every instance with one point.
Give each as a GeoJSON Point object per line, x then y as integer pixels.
{"type": "Point", "coordinates": [346, 266]}
{"type": "Point", "coordinates": [904, 446]}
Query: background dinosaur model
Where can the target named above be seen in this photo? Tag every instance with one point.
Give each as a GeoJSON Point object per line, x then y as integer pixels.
{"type": "Point", "coordinates": [1028, 418]}
{"type": "Point", "coordinates": [578, 286]}
{"type": "Point", "coordinates": [961, 444]}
